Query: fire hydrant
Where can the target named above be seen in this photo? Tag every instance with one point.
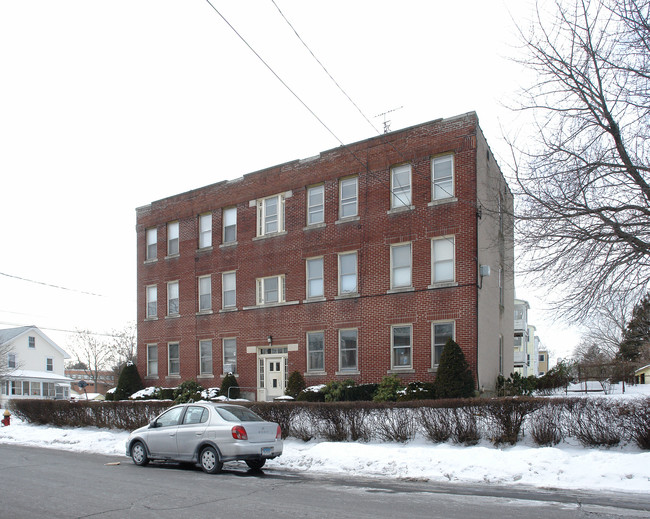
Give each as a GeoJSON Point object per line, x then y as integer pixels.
{"type": "Point", "coordinates": [6, 421]}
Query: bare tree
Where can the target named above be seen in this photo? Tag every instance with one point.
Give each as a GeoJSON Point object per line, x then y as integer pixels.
{"type": "Point", "coordinates": [583, 182]}
{"type": "Point", "coordinates": [5, 368]}
{"type": "Point", "coordinates": [124, 344]}
{"type": "Point", "coordinates": [95, 352]}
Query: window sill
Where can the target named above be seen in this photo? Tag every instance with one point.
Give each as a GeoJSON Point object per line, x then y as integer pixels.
{"type": "Point", "coordinates": [204, 312]}
{"type": "Point", "coordinates": [206, 376]}
{"type": "Point", "coordinates": [309, 227]}
{"type": "Point", "coordinates": [443, 284]}
{"type": "Point", "coordinates": [315, 373]}
{"type": "Point", "coordinates": [348, 219]}
{"type": "Point", "coordinates": [151, 377]}
{"type": "Point", "coordinates": [270, 235]}
{"type": "Point", "coordinates": [403, 209]}
{"type": "Point", "coordinates": [443, 201]}
{"type": "Point", "coordinates": [433, 369]}
{"type": "Point", "coordinates": [347, 296]}
{"type": "Point", "coordinates": [173, 256]}
{"type": "Point", "coordinates": [348, 372]}
{"type": "Point", "coordinates": [398, 371]}
{"type": "Point", "coordinates": [400, 290]}
{"type": "Point", "coordinates": [175, 316]}
{"type": "Point", "coordinates": [228, 244]}
{"type": "Point", "coordinates": [151, 261]}
{"type": "Point", "coordinates": [223, 375]}
{"type": "Point", "coordinates": [271, 305]}
{"type": "Point", "coordinates": [228, 310]}
{"type": "Point", "coordinates": [150, 319]}
{"type": "Point", "coordinates": [173, 377]}
{"type": "Point", "coordinates": [314, 300]}
{"type": "Point", "coordinates": [203, 250]}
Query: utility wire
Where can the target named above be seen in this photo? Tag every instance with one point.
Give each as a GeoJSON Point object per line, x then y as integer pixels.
{"type": "Point", "coordinates": [51, 285]}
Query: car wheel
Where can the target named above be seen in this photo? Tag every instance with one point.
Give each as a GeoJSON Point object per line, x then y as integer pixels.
{"type": "Point", "coordinates": [209, 460]}
{"type": "Point", "coordinates": [139, 454]}
{"type": "Point", "coordinates": [255, 464]}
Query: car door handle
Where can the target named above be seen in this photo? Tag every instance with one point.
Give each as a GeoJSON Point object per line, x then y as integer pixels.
{"type": "Point", "coordinates": [199, 434]}
{"type": "Point", "coordinates": [172, 434]}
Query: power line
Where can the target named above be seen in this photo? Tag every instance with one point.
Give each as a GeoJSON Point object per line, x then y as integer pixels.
{"type": "Point", "coordinates": [51, 285]}
{"type": "Point", "coordinates": [62, 330]}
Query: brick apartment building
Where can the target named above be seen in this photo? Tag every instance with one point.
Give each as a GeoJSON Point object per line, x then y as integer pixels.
{"type": "Point", "coordinates": [354, 264]}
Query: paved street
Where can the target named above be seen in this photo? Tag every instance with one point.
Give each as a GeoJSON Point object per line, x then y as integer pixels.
{"type": "Point", "coordinates": [58, 484]}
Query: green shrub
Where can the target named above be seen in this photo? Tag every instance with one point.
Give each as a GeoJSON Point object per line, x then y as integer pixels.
{"type": "Point", "coordinates": [309, 395]}
{"type": "Point", "coordinates": [188, 391]}
{"type": "Point", "coordinates": [229, 381]}
{"type": "Point", "coordinates": [360, 393]}
{"type": "Point", "coordinates": [516, 385]}
{"type": "Point", "coordinates": [388, 389]}
{"type": "Point", "coordinates": [295, 384]}
{"type": "Point", "coordinates": [418, 391]}
{"type": "Point", "coordinates": [454, 378]}
{"type": "Point", "coordinates": [128, 383]}
{"type": "Point", "coordinates": [334, 390]}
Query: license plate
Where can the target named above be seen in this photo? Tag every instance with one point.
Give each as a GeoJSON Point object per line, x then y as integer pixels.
{"type": "Point", "coordinates": [267, 451]}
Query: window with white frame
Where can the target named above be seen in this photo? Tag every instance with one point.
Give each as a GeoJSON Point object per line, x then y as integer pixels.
{"type": "Point", "coordinates": [152, 360]}
{"type": "Point", "coordinates": [270, 215]}
{"type": "Point", "coordinates": [348, 350]}
{"type": "Point", "coordinates": [270, 290]}
{"type": "Point", "coordinates": [400, 186]}
{"type": "Point", "coordinates": [11, 360]}
{"type": "Point", "coordinates": [348, 273]}
{"type": "Point", "coordinates": [230, 225]}
{"type": "Point", "coordinates": [172, 298]}
{"type": "Point", "coordinates": [205, 293]}
{"type": "Point", "coordinates": [152, 301]}
{"type": "Point", "coordinates": [402, 346]}
{"type": "Point", "coordinates": [48, 389]}
{"type": "Point", "coordinates": [151, 237]}
{"type": "Point", "coordinates": [174, 359]}
{"type": "Point", "coordinates": [348, 196]}
{"type": "Point", "coordinates": [32, 342]}
{"type": "Point", "coordinates": [49, 364]}
{"type": "Point", "coordinates": [542, 358]}
{"type": "Point", "coordinates": [228, 290]}
{"type": "Point", "coordinates": [315, 283]}
{"type": "Point", "coordinates": [442, 176]}
{"type": "Point", "coordinates": [205, 357]}
{"type": "Point", "coordinates": [442, 332]}
{"type": "Point", "coordinates": [443, 253]}
{"type": "Point", "coordinates": [315, 351]}
{"type": "Point", "coordinates": [229, 356]}
{"type": "Point", "coordinates": [400, 265]}
{"type": "Point", "coordinates": [172, 238]}
{"type": "Point", "coordinates": [315, 204]}
{"type": "Point", "coordinates": [205, 230]}
{"type": "Point", "coordinates": [35, 388]}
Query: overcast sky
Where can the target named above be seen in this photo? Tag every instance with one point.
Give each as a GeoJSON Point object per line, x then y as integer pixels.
{"type": "Point", "coordinates": [109, 105]}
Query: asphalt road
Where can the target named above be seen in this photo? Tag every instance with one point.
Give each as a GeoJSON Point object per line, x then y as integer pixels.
{"type": "Point", "coordinates": [45, 483]}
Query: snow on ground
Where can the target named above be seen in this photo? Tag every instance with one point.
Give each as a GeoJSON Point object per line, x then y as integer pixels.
{"type": "Point", "coordinates": [567, 466]}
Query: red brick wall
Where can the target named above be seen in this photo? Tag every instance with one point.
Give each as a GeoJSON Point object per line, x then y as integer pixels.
{"type": "Point", "coordinates": [373, 312]}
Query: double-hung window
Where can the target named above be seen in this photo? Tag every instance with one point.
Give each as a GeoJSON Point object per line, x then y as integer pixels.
{"type": "Point", "coordinates": [348, 273]}
{"type": "Point", "coordinates": [348, 350]}
{"type": "Point", "coordinates": [400, 186]}
{"type": "Point", "coordinates": [152, 301]}
{"type": "Point", "coordinates": [228, 290]}
{"type": "Point", "coordinates": [151, 237]}
{"type": "Point", "coordinates": [230, 225]}
{"type": "Point", "coordinates": [49, 364]}
{"type": "Point", "coordinates": [172, 238]}
{"type": "Point", "coordinates": [174, 359]}
{"type": "Point", "coordinates": [172, 298]}
{"type": "Point", "coordinates": [315, 278]}
{"type": "Point", "coordinates": [205, 231]}
{"type": "Point", "coordinates": [315, 204]}
{"type": "Point", "coordinates": [270, 290]}
{"type": "Point", "coordinates": [229, 356]}
{"type": "Point", "coordinates": [152, 360]}
{"type": "Point", "coordinates": [315, 351]}
{"type": "Point", "coordinates": [11, 360]}
{"type": "Point", "coordinates": [348, 196]}
{"type": "Point", "coordinates": [205, 293]}
{"type": "Point", "coordinates": [442, 264]}
{"type": "Point", "coordinates": [442, 176]}
{"type": "Point", "coordinates": [205, 357]}
{"type": "Point", "coordinates": [402, 346]}
{"type": "Point", "coordinates": [400, 265]}
{"type": "Point", "coordinates": [32, 342]}
{"type": "Point", "coordinates": [270, 215]}
{"type": "Point", "coordinates": [441, 332]}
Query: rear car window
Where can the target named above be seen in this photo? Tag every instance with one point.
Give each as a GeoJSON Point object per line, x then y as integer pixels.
{"type": "Point", "coordinates": [238, 414]}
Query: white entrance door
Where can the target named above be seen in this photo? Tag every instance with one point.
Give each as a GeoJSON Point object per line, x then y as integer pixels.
{"type": "Point", "coordinates": [274, 376]}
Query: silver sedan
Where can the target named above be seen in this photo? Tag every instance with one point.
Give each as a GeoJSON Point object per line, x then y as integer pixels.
{"type": "Point", "coordinates": [208, 434]}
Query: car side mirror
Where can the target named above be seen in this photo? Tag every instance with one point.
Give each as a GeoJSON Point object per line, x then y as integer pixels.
{"type": "Point", "coordinates": [153, 425]}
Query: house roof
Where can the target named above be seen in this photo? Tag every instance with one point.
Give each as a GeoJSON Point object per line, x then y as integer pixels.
{"type": "Point", "coordinates": [43, 375]}
{"type": "Point", "coordinates": [10, 334]}
{"type": "Point", "coordinates": [642, 368]}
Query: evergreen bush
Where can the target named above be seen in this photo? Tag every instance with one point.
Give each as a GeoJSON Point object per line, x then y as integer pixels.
{"type": "Point", "coordinates": [230, 381]}
{"type": "Point", "coordinates": [188, 391]}
{"type": "Point", "coordinates": [388, 389]}
{"type": "Point", "coordinates": [295, 384]}
{"type": "Point", "coordinates": [128, 383]}
{"type": "Point", "coordinates": [454, 378]}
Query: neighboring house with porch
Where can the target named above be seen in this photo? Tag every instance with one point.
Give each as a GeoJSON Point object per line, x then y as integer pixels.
{"type": "Point", "coordinates": [642, 375]}
{"type": "Point", "coordinates": [32, 365]}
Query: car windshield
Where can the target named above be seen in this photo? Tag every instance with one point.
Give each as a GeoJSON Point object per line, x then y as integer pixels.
{"type": "Point", "coordinates": [238, 414]}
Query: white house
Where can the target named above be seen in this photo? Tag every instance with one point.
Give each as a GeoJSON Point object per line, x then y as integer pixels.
{"type": "Point", "coordinates": [32, 365]}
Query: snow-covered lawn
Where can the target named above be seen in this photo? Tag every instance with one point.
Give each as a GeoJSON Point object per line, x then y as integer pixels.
{"type": "Point", "coordinates": [565, 466]}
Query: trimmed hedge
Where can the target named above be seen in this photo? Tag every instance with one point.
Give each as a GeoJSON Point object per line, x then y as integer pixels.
{"type": "Point", "coordinates": [592, 422]}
